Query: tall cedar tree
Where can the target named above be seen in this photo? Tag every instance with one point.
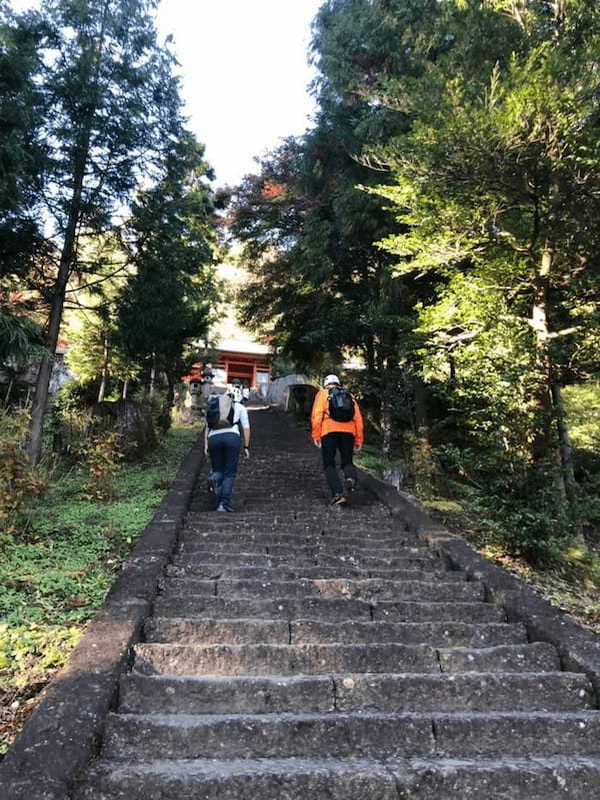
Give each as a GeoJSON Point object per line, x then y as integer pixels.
{"type": "Point", "coordinates": [168, 302]}
{"type": "Point", "coordinates": [21, 170]}
{"type": "Point", "coordinates": [111, 111]}
{"type": "Point", "coordinates": [496, 177]}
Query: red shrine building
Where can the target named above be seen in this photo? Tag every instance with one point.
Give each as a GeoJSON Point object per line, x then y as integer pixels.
{"type": "Point", "coordinates": [238, 354]}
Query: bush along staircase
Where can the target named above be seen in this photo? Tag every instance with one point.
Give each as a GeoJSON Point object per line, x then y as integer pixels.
{"type": "Point", "coordinates": [298, 651]}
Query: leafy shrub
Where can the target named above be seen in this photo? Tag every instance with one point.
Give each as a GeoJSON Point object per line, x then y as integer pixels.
{"type": "Point", "coordinates": [25, 647]}
{"type": "Point", "coordinates": [18, 479]}
{"type": "Point", "coordinates": [103, 455]}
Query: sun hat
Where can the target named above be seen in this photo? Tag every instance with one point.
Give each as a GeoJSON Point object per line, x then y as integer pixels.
{"type": "Point", "coordinates": [331, 379]}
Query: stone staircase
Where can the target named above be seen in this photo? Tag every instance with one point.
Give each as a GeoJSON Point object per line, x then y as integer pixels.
{"type": "Point", "coordinates": [298, 651]}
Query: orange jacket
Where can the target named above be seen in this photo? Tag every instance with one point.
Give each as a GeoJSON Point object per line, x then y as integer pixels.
{"type": "Point", "coordinates": [322, 424]}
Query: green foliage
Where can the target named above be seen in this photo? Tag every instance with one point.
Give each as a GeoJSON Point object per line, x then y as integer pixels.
{"type": "Point", "coordinates": [168, 301]}
{"type": "Point", "coordinates": [29, 651]}
{"type": "Point", "coordinates": [102, 455]}
{"type": "Point", "coordinates": [582, 406]}
{"type": "Point", "coordinates": [56, 570]}
{"type": "Point", "coordinates": [18, 480]}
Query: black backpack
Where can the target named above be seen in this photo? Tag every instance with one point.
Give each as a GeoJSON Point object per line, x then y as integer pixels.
{"type": "Point", "coordinates": [219, 411]}
{"type": "Point", "coordinates": [341, 405]}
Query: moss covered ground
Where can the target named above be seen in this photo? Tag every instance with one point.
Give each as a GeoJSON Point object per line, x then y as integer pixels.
{"type": "Point", "coordinates": [56, 570]}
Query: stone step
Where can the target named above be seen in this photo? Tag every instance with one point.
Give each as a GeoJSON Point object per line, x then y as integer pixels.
{"type": "Point", "coordinates": [147, 737]}
{"type": "Point", "coordinates": [411, 611]}
{"type": "Point", "coordinates": [217, 631]}
{"type": "Point", "coordinates": [369, 562]}
{"type": "Point", "coordinates": [270, 659]}
{"type": "Point", "coordinates": [253, 631]}
{"type": "Point", "coordinates": [528, 691]}
{"type": "Point", "coordinates": [224, 694]}
{"type": "Point", "coordinates": [551, 778]}
{"type": "Point", "coordinates": [369, 589]}
{"type": "Point", "coordinates": [273, 608]}
{"type": "Point", "coordinates": [535, 657]}
{"type": "Point", "coordinates": [436, 634]}
{"type": "Point", "coordinates": [152, 736]}
{"type": "Point", "coordinates": [244, 779]}
{"type": "Point", "coordinates": [296, 537]}
{"type": "Point", "coordinates": [326, 609]}
{"type": "Point", "coordinates": [461, 692]}
{"type": "Point", "coordinates": [239, 559]}
{"type": "Point", "coordinates": [257, 558]}
{"type": "Point", "coordinates": [299, 550]}
{"type": "Point", "coordinates": [207, 570]}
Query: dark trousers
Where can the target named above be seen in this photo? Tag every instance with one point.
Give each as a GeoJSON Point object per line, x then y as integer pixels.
{"type": "Point", "coordinates": [224, 450]}
{"type": "Point", "coordinates": [330, 444]}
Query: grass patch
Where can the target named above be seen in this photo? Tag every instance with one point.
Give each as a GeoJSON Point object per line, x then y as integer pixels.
{"type": "Point", "coordinates": [57, 569]}
{"type": "Point", "coordinates": [571, 582]}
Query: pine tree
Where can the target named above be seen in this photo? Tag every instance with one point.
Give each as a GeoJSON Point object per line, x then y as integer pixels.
{"type": "Point", "coordinates": [112, 110]}
{"type": "Point", "coordinates": [168, 302]}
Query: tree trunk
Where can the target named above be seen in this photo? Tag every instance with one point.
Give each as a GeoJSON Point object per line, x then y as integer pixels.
{"type": "Point", "coordinates": [125, 387]}
{"type": "Point", "coordinates": [152, 386]}
{"type": "Point", "coordinates": [566, 450]}
{"type": "Point", "coordinates": [105, 363]}
{"type": "Point", "coordinates": [11, 383]}
{"type": "Point", "coordinates": [40, 398]}
{"type": "Point", "coordinates": [386, 424]}
{"type": "Point", "coordinates": [67, 256]}
{"type": "Point", "coordinates": [545, 447]}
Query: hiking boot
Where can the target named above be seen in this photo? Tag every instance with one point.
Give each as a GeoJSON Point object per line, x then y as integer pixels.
{"type": "Point", "coordinates": [339, 500]}
{"type": "Point", "coordinates": [350, 484]}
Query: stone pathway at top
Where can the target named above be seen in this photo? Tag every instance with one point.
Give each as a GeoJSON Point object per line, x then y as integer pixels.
{"type": "Point", "coordinates": [298, 651]}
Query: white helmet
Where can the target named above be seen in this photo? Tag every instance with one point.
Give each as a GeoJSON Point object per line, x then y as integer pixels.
{"type": "Point", "coordinates": [331, 379]}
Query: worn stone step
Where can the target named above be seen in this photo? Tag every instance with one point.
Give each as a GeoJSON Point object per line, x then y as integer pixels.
{"type": "Point", "coordinates": [534, 657]}
{"type": "Point", "coordinates": [224, 694]}
{"type": "Point", "coordinates": [299, 550]}
{"type": "Point", "coordinates": [208, 570]}
{"type": "Point", "coordinates": [398, 693]}
{"type": "Point", "coordinates": [517, 734]}
{"type": "Point", "coordinates": [238, 559]}
{"type": "Point", "coordinates": [436, 634]}
{"type": "Point", "coordinates": [256, 558]}
{"type": "Point", "coordinates": [259, 548]}
{"type": "Point", "coordinates": [217, 631]}
{"type": "Point", "coordinates": [398, 561]}
{"type": "Point", "coordinates": [326, 608]}
{"type": "Point", "coordinates": [269, 659]}
{"type": "Point", "coordinates": [551, 778]}
{"type": "Point", "coordinates": [150, 736]}
{"type": "Point", "coordinates": [411, 611]}
{"type": "Point", "coordinates": [138, 737]}
{"type": "Point", "coordinates": [278, 536]}
{"type": "Point", "coordinates": [268, 516]}
{"type": "Point", "coordinates": [369, 589]}
{"type": "Point", "coordinates": [253, 631]}
{"type": "Point", "coordinates": [492, 691]}
{"type": "Point", "coordinates": [244, 779]}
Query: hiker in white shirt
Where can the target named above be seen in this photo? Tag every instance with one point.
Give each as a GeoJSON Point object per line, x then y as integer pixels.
{"type": "Point", "coordinates": [224, 418]}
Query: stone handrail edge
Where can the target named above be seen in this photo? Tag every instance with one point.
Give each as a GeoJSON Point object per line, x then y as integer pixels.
{"type": "Point", "coordinates": [578, 648]}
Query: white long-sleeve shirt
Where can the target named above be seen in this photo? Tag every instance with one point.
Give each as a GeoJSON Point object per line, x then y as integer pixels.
{"type": "Point", "coordinates": [240, 415]}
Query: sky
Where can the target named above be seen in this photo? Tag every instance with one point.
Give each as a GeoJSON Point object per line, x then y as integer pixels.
{"type": "Point", "coordinates": [244, 72]}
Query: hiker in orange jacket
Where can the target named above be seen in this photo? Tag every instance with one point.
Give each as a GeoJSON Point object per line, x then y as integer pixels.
{"type": "Point", "coordinates": [337, 424]}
